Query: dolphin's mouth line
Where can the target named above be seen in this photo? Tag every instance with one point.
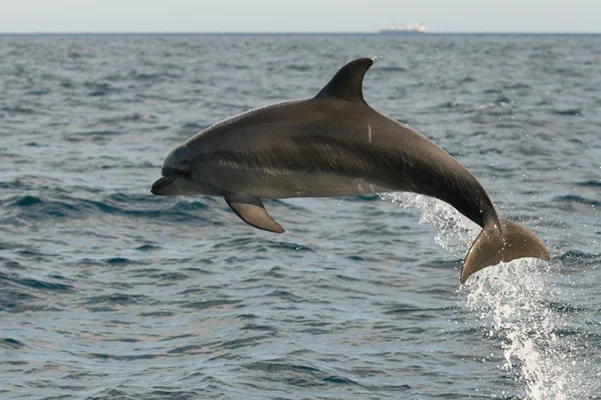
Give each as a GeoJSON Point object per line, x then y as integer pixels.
{"type": "Point", "coordinates": [170, 174]}
{"type": "Point", "coordinates": [161, 183]}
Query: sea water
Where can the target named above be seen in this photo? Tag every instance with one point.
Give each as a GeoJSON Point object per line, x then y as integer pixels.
{"type": "Point", "coordinates": [108, 292]}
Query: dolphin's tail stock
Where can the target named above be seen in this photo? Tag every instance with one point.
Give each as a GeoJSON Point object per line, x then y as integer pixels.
{"type": "Point", "coordinates": [494, 245]}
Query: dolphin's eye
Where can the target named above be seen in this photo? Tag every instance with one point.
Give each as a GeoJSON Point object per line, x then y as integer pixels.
{"type": "Point", "coordinates": [182, 170]}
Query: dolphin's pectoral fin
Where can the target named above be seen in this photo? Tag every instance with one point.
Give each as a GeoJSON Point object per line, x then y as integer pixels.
{"type": "Point", "coordinates": [250, 209]}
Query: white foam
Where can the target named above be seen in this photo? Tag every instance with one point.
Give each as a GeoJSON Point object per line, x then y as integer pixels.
{"type": "Point", "coordinates": [512, 303]}
{"type": "Point", "coordinates": [455, 232]}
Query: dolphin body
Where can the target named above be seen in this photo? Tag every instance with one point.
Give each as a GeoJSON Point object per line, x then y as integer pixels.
{"type": "Point", "coordinates": [335, 144]}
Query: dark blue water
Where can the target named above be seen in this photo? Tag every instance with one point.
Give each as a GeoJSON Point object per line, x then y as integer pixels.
{"type": "Point", "coordinates": [108, 292]}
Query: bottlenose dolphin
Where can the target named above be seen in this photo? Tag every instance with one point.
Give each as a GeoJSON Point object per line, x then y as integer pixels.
{"type": "Point", "coordinates": [335, 144]}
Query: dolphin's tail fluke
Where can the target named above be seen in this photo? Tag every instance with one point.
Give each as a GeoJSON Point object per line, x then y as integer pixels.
{"type": "Point", "coordinates": [494, 245]}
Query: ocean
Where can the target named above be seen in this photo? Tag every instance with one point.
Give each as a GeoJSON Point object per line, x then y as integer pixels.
{"type": "Point", "coordinates": [109, 292]}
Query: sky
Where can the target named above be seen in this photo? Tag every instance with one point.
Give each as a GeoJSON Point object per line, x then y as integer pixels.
{"type": "Point", "coordinates": [298, 15]}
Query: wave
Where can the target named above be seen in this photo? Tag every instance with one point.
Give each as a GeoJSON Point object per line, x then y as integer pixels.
{"type": "Point", "coordinates": [36, 284]}
{"type": "Point", "coordinates": [98, 89]}
{"type": "Point", "coordinates": [590, 184]}
{"type": "Point", "coordinates": [572, 112]}
{"type": "Point", "coordinates": [35, 208]}
{"type": "Point", "coordinates": [391, 68]}
{"type": "Point", "coordinates": [153, 77]}
{"type": "Point", "coordinates": [298, 374]}
{"type": "Point", "coordinates": [11, 344]}
{"type": "Point", "coordinates": [572, 200]}
{"type": "Point", "coordinates": [18, 110]}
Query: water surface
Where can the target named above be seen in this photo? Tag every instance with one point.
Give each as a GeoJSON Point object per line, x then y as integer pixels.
{"type": "Point", "coordinates": [108, 292]}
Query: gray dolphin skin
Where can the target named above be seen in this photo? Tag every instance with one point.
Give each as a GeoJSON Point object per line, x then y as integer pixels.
{"type": "Point", "coordinates": [335, 144]}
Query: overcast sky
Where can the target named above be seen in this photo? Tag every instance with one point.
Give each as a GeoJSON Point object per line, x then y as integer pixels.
{"type": "Point", "coordinates": [298, 15]}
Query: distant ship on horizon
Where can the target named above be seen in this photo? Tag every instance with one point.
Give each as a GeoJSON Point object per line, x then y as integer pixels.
{"type": "Point", "coordinates": [409, 29]}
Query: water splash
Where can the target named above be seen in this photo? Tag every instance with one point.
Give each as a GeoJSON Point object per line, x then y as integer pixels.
{"type": "Point", "coordinates": [455, 232]}
{"type": "Point", "coordinates": [511, 303]}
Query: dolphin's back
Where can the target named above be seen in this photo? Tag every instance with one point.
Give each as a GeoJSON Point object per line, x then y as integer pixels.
{"type": "Point", "coordinates": [324, 147]}
{"type": "Point", "coordinates": [276, 152]}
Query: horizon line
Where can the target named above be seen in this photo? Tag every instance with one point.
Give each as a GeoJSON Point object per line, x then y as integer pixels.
{"type": "Point", "coordinates": [16, 33]}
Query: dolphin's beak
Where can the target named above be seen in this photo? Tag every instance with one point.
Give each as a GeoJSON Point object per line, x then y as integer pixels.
{"type": "Point", "coordinates": [161, 187]}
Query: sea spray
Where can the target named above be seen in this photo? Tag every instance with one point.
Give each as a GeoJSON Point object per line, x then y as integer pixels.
{"type": "Point", "coordinates": [511, 304]}
{"type": "Point", "coordinates": [455, 233]}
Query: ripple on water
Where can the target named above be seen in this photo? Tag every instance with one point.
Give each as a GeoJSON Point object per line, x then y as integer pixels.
{"type": "Point", "coordinates": [108, 292]}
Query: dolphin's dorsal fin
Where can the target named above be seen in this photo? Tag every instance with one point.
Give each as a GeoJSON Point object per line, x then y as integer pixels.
{"type": "Point", "coordinates": [347, 84]}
